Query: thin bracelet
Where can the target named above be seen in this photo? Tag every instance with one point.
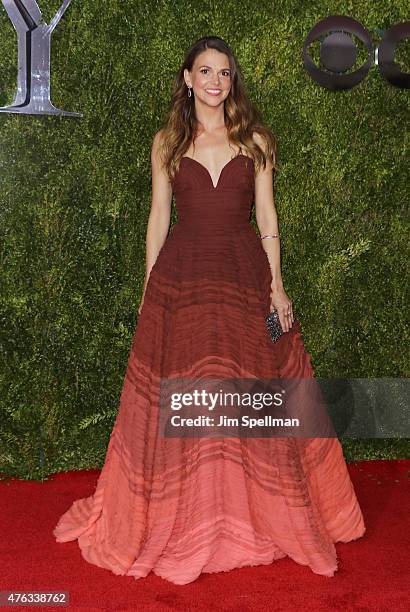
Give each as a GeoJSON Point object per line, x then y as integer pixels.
{"type": "Point", "coordinates": [270, 236]}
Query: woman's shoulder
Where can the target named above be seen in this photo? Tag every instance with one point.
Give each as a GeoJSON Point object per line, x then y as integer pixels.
{"type": "Point", "coordinates": [157, 148]}
{"type": "Point", "coordinates": [158, 139]}
{"type": "Point", "coordinates": [260, 140]}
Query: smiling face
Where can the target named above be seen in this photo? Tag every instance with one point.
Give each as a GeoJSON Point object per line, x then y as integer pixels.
{"type": "Point", "coordinates": [210, 77]}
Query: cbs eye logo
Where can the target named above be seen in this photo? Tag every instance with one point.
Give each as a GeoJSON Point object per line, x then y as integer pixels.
{"type": "Point", "coordinates": [338, 53]}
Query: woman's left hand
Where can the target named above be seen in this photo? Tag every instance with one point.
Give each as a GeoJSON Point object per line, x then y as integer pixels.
{"type": "Point", "coordinates": [281, 302]}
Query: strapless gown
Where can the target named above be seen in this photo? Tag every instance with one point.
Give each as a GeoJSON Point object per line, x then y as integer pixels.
{"type": "Point", "coordinates": [183, 506]}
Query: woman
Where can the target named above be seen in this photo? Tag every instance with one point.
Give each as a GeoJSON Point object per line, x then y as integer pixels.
{"type": "Point", "coordinates": [180, 506]}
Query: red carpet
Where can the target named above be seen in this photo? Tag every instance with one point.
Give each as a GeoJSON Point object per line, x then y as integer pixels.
{"type": "Point", "coordinates": [373, 572]}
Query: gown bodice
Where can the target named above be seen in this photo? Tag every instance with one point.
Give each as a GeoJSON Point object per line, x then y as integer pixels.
{"type": "Point", "coordinates": [205, 207]}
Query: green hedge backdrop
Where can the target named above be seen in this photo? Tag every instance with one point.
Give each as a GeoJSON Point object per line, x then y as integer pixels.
{"type": "Point", "coordinates": [75, 199]}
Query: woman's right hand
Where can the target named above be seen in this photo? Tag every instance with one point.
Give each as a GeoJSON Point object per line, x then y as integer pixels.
{"type": "Point", "coordinates": [141, 304]}
{"type": "Point", "coordinates": [142, 299]}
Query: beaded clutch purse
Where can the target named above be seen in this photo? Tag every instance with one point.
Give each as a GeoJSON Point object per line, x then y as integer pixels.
{"type": "Point", "coordinates": [273, 324]}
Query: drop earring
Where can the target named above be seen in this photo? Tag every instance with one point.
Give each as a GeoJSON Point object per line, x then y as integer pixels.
{"type": "Point", "coordinates": [189, 91]}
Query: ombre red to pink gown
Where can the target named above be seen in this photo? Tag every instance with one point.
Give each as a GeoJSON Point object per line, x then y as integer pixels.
{"type": "Point", "coordinates": [183, 506]}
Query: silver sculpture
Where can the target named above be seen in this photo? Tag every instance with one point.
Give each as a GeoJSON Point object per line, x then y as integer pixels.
{"type": "Point", "coordinates": [33, 76]}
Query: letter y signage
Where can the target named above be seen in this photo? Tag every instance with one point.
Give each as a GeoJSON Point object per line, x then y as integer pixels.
{"type": "Point", "coordinates": [33, 75]}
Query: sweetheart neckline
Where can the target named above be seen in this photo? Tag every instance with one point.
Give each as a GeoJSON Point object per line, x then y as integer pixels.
{"type": "Point", "coordinates": [223, 168]}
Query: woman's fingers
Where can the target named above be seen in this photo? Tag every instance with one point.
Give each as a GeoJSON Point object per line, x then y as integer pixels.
{"type": "Point", "coordinates": [141, 302]}
{"type": "Point", "coordinates": [286, 316]}
{"type": "Point", "coordinates": [290, 316]}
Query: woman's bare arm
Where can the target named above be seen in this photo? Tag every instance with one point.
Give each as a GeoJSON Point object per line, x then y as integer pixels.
{"type": "Point", "coordinates": [160, 213]}
{"type": "Point", "coordinates": [267, 218]}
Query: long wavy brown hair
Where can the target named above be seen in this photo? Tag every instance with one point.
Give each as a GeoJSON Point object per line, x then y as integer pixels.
{"type": "Point", "coordinates": [242, 118]}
